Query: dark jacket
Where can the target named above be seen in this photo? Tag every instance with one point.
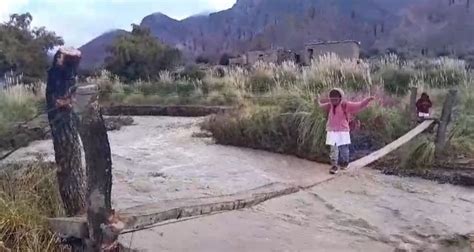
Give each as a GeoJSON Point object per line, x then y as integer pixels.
{"type": "Point", "coordinates": [424, 104]}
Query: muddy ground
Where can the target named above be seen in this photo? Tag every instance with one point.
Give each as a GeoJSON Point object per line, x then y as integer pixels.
{"type": "Point", "coordinates": [158, 158]}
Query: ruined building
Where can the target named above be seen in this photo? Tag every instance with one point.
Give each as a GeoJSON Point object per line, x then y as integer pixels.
{"type": "Point", "coordinates": [276, 56]}
{"type": "Point", "coordinates": [348, 49]}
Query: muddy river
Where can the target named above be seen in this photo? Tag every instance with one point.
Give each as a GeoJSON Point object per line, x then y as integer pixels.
{"type": "Point", "coordinates": [158, 158]}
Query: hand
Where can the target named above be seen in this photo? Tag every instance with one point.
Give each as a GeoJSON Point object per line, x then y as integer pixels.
{"type": "Point", "coordinates": [63, 103]}
{"type": "Point", "coordinates": [316, 99]}
{"type": "Point", "coordinates": [370, 99]}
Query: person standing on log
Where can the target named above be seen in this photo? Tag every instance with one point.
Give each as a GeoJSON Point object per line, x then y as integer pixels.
{"type": "Point", "coordinates": [338, 126]}
{"type": "Point", "coordinates": [63, 122]}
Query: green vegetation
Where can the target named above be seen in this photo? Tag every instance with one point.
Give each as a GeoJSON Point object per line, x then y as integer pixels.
{"type": "Point", "coordinates": [24, 49]}
{"type": "Point", "coordinates": [28, 195]}
{"type": "Point", "coordinates": [140, 56]}
{"type": "Point", "coordinates": [17, 104]}
{"type": "Point", "coordinates": [286, 121]}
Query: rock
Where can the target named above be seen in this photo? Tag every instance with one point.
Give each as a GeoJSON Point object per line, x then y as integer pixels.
{"type": "Point", "coordinates": [142, 186]}
{"type": "Point", "coordinates": [156, 174]}
{"type": "Point", "coordinates": [202, 134]}
{"type": "Point", "coordinates": [404, 247]}
{"type": "Point", "coordinates": [116, 123]}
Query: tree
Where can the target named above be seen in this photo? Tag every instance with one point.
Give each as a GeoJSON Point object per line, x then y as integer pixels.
{"type": "Point", "coordinates": [24, 49]}
{"type": "Point", "coordinates": [63, 124]}
{"type": "Point", "coordinates": [139, 55]}
{"type": "Point", "coordinates": [201, 59]}
{"type": "Point", "coordinates": [224, 60]}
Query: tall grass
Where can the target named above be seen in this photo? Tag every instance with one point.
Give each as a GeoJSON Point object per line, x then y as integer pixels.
{"type": "Point", "coordinates": [28, 195]}
{"type": "Point", "coordinates": [462, 134]}
{"type": "Point", "coordinates": [19, 103]}
{"type": "Point", "coordinates": [288, 122]}
{"type": "Point", "coordinates": [330, 71]}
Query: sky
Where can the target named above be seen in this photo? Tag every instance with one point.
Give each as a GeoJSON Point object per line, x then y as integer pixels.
{"type": "Point", "coordinates": [79, 21]}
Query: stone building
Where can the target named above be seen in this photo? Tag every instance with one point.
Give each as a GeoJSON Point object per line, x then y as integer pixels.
{"type": "Point", "coordinates": [348, 49]}
{"type": "Point", "coordinates": [276, 56]}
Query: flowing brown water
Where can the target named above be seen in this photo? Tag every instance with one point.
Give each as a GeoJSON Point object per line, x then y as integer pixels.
{"type": "Point", "coordinates": [364, 211]}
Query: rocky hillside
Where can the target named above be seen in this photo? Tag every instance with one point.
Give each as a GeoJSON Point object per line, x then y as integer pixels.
{"type": "Point", "coordinates": [407, 25]}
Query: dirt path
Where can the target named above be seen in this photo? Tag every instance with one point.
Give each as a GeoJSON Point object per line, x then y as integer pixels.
{"type": "Point", "coordinates": [159, 159]}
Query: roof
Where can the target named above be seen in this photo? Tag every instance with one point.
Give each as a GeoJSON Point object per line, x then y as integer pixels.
{"type": "Point", "coordinates": [333, 42]}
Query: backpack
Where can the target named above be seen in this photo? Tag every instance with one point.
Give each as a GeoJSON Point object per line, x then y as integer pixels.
{"type": "Point", "coordinates": [354, 124]}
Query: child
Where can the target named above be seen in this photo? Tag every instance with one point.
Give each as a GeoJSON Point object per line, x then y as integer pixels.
{"type": "Point", "coordinates": [423, 106]}
{"type": "Point", "coordinates": [338, 130]}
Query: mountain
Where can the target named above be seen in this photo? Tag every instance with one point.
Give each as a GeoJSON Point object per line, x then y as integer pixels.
{"type": "Point", "coordinates": [405, 25]}
{"type": "Point", "coordinates": [94, 52]}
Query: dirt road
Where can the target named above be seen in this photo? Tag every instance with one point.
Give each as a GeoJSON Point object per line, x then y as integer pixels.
{"type": "Point", "coordinates": [159, 159]}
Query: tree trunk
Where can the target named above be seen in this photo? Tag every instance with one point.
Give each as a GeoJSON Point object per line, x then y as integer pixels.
{"type": "Point", "coordinates": [63, 123]}
{"type": "Point", "coordinates": [446, 116]}
{"type": "Point", "coordinates": [99, 172]}
{"type": "Point", "coordinates": [67, 149]}
{"type": "Point", "coordinates": [412, 106]}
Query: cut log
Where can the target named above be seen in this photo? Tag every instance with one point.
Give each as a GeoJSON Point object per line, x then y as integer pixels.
{"type": "Point", "coordinates": [147, 215]}
{"type": "Point", "coordinates": [99, 169]}
{"type": "Point", "coordinates": [445, 120]}
{"type": "Point", "coordinates": [360, 163]}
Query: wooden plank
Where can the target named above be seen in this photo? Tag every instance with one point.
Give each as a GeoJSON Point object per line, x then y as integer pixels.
{"type": "Point", "coordinates": [147, 215]}
{"type": "Point", "coordinates": [360, 163]}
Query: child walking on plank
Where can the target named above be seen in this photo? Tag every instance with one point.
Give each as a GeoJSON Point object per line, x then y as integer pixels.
{"type": "Point", "coordinates": [338, 137]}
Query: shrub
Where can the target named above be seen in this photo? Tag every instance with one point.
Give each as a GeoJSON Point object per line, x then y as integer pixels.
{"type": "Point", "coordinates": [192, 72]}
{"type": "Point", "coordinates": [446, 72]}
{"type": "Point", "coordinates": [224, 60]}
{"type": "Point", "coordinates": [149, 88]}
{"type": "Point", "coordinates": [286, 75]}
{"type": "Point", "coordinates": [201, 59]}
{"type": "Point", "coordinates": [18, 104]}
{"type": "Point", "coordinates": [420, 154]}
{"type": "Point", "coordinates": [397, 81]}
{"type": "Point", "coordinates": [384, 124]}
{"type": "Point", "coordinates": [260, 82]}
{"type": "Point", "coordinates": [330, 71]}
{"type": "Point", "coordinates": [300, 133]}
{"type": "Point", "coordinates": [185, 88]}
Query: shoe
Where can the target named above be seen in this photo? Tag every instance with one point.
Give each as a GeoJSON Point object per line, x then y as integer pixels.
{"type": "Point", "coordinates": [334, 170]}
{"type": "Point", "coordinates": [344, 166]}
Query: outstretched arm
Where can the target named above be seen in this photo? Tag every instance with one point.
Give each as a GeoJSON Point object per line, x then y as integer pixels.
{"type": "Point", "coordinates": [323, 105]}
{"type": "Point", "coordinates": [356, 107]}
